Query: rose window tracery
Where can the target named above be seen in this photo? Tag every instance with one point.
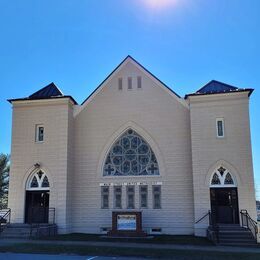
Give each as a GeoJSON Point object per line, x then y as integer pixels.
{"type": "Point", "coordinates": [130, 155]}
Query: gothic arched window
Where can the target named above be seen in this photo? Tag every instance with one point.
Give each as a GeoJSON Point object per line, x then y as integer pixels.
{"type": "Point", "coordinates": [222, 177]}
{"type": "Point", "coordinates": [39, 181]}
{"type": "Point", "coordinates": [130, 155]}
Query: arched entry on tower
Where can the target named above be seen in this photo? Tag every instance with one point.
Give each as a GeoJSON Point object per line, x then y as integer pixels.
{"type": "Point", "coordinates": [224, 196]}
{"type": "Point", "coordinates": [37, 198]}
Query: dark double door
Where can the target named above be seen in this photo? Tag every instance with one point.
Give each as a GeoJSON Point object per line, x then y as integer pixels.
{"type": "Point", "coordinates": [224, 205]}
{"type": "Point", "coordinates": [37, 207]}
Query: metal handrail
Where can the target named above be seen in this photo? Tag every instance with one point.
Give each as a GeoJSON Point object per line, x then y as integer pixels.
{"type": "Point", "coordinates": [5, 218]}
{"type": "Point", "coordinates": [207, 214]}
{"type": "Point", "coordinates": [249, 223]}
{"type": "Point", "coordinates": [213, 226]}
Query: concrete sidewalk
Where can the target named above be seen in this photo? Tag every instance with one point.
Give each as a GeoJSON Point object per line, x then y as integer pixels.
{"type": "Point", "coordinates": [10, 242]}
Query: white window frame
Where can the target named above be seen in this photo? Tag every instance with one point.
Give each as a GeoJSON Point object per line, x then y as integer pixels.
{"type": "Point", "coordinates": [37, 129]}
{"type": "Point", "coordinates": [220, 119]}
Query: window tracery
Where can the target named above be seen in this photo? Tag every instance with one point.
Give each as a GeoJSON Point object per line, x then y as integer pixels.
{"type": "Point", "coordinates": [130, 155]}
{"type": "Point", "coordinates": [39, 181]}
{"type": "Point", "coordinates": [222, 177]}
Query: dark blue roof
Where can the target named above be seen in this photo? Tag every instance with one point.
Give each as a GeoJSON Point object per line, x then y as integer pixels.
{"type": "Point", "coordinates": [217, 87]}
{"type": "Point", "coordinates": [49, 91]}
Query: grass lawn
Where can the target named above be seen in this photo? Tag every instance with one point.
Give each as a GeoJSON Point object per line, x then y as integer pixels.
{"type": "Point", "coordinates": [159, 239]}
{"type": "Point", "coordinates": [115, 251]}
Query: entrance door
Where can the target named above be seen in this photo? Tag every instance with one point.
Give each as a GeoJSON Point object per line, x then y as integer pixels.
{"type": "Point", "coordinates": [224, 205]}
{"type": "Point", "coordinates": [37, 207]}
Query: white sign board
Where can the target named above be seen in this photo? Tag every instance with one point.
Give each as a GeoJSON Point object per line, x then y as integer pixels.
{"type": "Point", "coordinates": [126, 222]}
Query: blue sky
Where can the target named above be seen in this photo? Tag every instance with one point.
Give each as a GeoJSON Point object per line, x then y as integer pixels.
{"type": "Point", "coordinates": [75, 44]}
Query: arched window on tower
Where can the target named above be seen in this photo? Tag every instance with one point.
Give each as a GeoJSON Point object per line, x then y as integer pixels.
{"type": "Point", "coordinates": [130, 155]}
{"type": "Point", "coordinates": [222, 178]}
{"type": "Point", "coordinates": [38, 181]}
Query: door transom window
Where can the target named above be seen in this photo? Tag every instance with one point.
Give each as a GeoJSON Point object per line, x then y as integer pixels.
{"type": "Point", "coordinates": [222, 178]}
{"type": "Point", "coordinates": [38, 181]}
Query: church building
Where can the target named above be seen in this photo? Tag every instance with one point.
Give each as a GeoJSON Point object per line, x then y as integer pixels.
{"type": "Point", "coordinates": [134, 145]}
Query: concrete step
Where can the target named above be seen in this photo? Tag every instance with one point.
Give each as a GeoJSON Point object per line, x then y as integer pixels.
{"type": "Point", "coordinates": [26, 230]}
{"type": "Point", "coordinates": [15, 236]}
{"type": "Point", "coordinates": [19, 225]}
{"type": "Point", "coordinates": [240, 244]}
{"type": "Point", "coordinates": [17, 230]}
{"type": "Point", "coordinates": [235, 235]}
{"type": "Point", "coordinates": [237, 240]}
{"type": "Point", "coordinates": [232, 228]}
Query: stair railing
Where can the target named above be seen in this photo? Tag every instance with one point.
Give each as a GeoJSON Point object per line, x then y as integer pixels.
{"type": "Point", "coordinates": [212, 225]}
{"type": "Point", "coordinates": [248, 222]}
{"type": "Point", "coordinates": [47, 227]}
{"type": "Point", "coordinates": [206, 215]}
{"type": "Point", "coordinates": [5, 216]}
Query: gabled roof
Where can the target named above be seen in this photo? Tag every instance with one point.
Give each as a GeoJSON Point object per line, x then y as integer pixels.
{"type": "Point", "coordinates": [147, 72]}
{"type": "Point", "coordinates": [118, 66]}
{"type": "Point", "coordinates": [217, 87]}
{"type": "Point", "coordinates": [49, 92]}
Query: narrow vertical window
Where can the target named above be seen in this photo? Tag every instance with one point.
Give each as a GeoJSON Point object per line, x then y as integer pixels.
{"type": "Point", "coordinates": [143, 192]}
{"type": "Point", "coordinates": [220, 127]}
{"type": "Point", "coordinates": [39, 133]}
{"type": "Point", "coordinates": [104, 197]}
{"type": "Point", "coordinates": [118, 197]}
{"type": "Point", "coordinates": [139, 82]}
{"type": "Point", "coordinates": [120, 83]}
{"type": "Point", "coordinates": [130, 197]}
{"type": "Point", "coordinates": [156, 197]}
{"type": "Point", "coordinates": [129, 83]}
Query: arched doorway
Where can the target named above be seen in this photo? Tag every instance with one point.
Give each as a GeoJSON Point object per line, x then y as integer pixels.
{"type": "Point", "coordinates": [37, 198]}
{"type": "Point", "coordinates": [224, 197]}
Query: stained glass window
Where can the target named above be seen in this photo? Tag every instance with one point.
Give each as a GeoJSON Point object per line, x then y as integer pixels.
{"type": "Point", "coordinates": [156, 197]}
{"type": "Point", "coordinates": [104, 197]}
{"type": "Point", "coordinates": [130, 155]}
{"type": "Point", "coordinates": [215, 180]}
{"type": "Point", "coordinates": [222, 177]}
{"type": "Point", "coordinates": [45, 182]}
{"type": "Point", "coordinates": [118, 197]}
{"type": "Point", "coordinates": [38, 181]}
{"type": "Point", "coordinates": [34, 183]}
{"type": "Point", "coordinates": [143, 196]}
{"type": "Point", "coordinates": [228, 179]}
{"type": "Point", "coordinates": [130, 191]}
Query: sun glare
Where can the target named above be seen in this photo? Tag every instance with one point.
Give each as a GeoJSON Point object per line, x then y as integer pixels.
{"type": "Point", "coordinates": [159, 4]}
